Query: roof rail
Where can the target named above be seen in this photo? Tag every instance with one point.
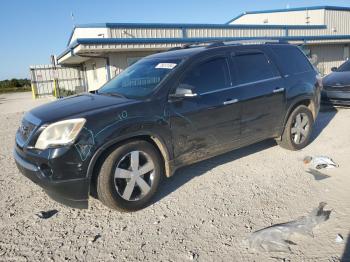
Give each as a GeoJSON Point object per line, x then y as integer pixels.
{"type": "Point", "coordinates": [175, 48]}
{"type": "Point", "coordinates": [218, 43]}
{"type": "Point", "coordinates": [279, 42]}
{"type": "Point", "coordinates": [215, 44]}
{"type": "Point", "coordinates": [208, 44]}
{"type": "Point", "coordinates": [247, 42]}
{"type": "Point", "coordinates": [253, 41]}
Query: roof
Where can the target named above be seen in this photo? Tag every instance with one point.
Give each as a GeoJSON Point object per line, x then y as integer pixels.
{"type": "Point", "coordinates": [326, 7]}
{"type": "Point", "coordinates": [107, 41]}
{"type": "Point", "coordinates": [188, 26]}
{"type": "Point", "coordinates": [184, 26]}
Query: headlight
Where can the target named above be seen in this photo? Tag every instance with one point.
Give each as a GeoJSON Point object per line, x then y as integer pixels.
{"type": "Point", "coordinates": [60, 133]}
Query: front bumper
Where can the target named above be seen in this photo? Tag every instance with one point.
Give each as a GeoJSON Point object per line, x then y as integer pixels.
{"type": "Point", "coordinates": [70, 192]}
{"type": "Point", "coordinates": [336, 97]}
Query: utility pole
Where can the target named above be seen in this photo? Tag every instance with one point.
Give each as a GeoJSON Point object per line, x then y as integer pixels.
{"type": "Point", "coordinates": [73, 19]}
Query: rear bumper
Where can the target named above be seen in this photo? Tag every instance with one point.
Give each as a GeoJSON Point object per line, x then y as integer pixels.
{"type": "Point", "coordinates": [72, 192]}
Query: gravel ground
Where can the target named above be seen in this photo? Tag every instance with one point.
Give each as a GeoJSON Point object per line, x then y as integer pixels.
{"type": "Point", "coordinates": [204, 213]}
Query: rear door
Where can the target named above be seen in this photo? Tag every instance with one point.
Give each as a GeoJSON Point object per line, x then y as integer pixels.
{"type": "Point", "coordinates": [262, 93]}
{"type": "Point", "coordinates": [204, 124]}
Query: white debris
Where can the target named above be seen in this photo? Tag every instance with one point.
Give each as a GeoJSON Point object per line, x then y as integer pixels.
{"type": "Point", "coordinates": [339, 239]}
{"type": "Point", "coordinates": [276, 238]}
{"type": "Point", "coordinates": [320, 162]}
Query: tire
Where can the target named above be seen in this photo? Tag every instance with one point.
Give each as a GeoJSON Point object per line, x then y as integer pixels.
{"type": "Point", "coordinates": [117, 176]}
{"type": "Point", "coordinates": [292, 137]}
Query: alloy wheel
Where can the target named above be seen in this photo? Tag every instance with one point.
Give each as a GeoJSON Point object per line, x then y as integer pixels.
{"type": "Point", "coordinates": [134, 175]}
{"type": "Point", "coordinates": [300, 128]}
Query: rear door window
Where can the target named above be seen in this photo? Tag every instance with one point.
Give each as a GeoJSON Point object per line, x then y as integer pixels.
{"type": "Point", "coordinates": [208, 76]}
{"type": "Point", "coordinates": [252, 67]}
{"type": "Point", "coordinates": [291, 60]}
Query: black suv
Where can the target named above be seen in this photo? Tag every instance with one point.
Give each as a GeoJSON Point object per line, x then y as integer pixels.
{"type": "Point", "coordinates": [166, 111]}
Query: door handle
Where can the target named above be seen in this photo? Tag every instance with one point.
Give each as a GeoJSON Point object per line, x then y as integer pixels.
{"type": "Point", "coordinates": [278, 90]}
{"type": "Point", "coordinates": [229, 102]}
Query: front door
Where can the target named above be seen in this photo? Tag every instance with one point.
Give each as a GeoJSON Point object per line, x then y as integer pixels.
{"type": "Point", "coordinates": [205, 123]}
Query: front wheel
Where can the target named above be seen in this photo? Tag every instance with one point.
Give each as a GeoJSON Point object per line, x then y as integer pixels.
{"type": "Point", "coordinates": [129, 176]}
{"type": "Point", "coordinates": [297, 132]}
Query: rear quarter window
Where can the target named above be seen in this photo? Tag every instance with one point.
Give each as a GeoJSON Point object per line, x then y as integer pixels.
{"type": "Point", "coordinates": [291, 60]}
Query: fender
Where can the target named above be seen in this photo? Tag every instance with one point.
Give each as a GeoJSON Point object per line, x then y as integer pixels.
{"type": "Point", "coordinates": [162, 146]}
{"type": "Point", "coordinates": [291, 105]}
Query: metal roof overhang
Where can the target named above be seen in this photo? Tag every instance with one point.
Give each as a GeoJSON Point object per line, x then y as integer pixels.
{"type": "Point", "coordinates": [69, 58]}
{"type": "Point", "coordinates": [185, 27]}
{"type": "Point", "coordinates": [325, 7]}
{"type": "Point", "coordinates": [83, 49]}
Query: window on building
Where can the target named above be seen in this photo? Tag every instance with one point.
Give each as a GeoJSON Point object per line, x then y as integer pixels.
{"type": "Point", "coordinates": [208, 76]}
{"type": "Point", "coordinates": [94, 71]}
{"type": "Point", "coordinates": [253, 67]}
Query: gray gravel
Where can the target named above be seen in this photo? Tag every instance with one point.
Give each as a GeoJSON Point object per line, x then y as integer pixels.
{"type": "Point", "coordinates": [204, 213]}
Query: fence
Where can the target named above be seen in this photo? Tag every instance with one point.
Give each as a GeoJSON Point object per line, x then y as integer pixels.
{"type": "Point", "coordinates": [48, 80]}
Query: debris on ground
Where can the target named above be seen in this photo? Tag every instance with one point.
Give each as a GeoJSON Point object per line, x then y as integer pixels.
{"type": "Point", "coordinates": [95, 238]}
{"type": "Point", "coordinates": [339, 239]}
{"type": "Point", "coordinates": [276, 238]}
{"type": "Point", "coordinates": [317, 174]}
{"type": "Point", "coordinates": [193, 255]}
{"type": "Point", "coordinates": [320, 162]}
{"type": "Point", "coordinates": [47, 214]}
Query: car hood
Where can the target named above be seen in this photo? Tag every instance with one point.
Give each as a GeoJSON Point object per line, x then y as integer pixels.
{"type": "Point", "coordinates": [337, 78]}
{"type": "Point", "coordinates": [75, 105]}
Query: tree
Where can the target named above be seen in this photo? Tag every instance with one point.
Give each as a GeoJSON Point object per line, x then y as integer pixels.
{"type": "Point", "coordinates": [15, 83]}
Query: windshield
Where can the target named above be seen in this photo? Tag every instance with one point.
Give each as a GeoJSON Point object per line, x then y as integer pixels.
{"type": "Point", "coordinates": [344, 67]}
{"type": "Point", "coordinates": [140, 79]}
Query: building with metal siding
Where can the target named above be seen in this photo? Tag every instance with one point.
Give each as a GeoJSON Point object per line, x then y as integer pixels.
{"type": "Point", "coordinates": [104, 50]}
{"type": "Point", "coordinates": [327, 53]}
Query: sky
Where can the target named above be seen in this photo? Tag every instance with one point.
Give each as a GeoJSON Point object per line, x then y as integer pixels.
{"type": "Point", "coordinates": [32, 30]}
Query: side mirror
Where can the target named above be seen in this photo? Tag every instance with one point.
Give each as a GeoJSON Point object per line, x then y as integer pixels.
{"type": "Point", "coordinates": [183, 91]}
{"type": "Point", "coordinates": [333, 69]}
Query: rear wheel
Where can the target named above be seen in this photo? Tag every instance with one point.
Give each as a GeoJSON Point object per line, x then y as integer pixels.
{"type": "Point", "coordinates": [129, 177]}
{"type": "Point", "coordinates": [298, 129]}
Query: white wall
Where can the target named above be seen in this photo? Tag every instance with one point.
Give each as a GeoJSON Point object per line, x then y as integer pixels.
{"type": "Point", "coordinates": [329, 56]}
{"type": "Point", "coordinates": [316, 17]}
{"type": "Point", "coordinates": [118, 62]}
{"type": "Point", "coordinates": [95, 78]}
{"type": "Point", "coordinates": [89, 33]}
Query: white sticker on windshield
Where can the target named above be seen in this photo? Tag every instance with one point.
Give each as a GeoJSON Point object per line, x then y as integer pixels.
{"type": "Point", "coordinates": [166, 65]}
